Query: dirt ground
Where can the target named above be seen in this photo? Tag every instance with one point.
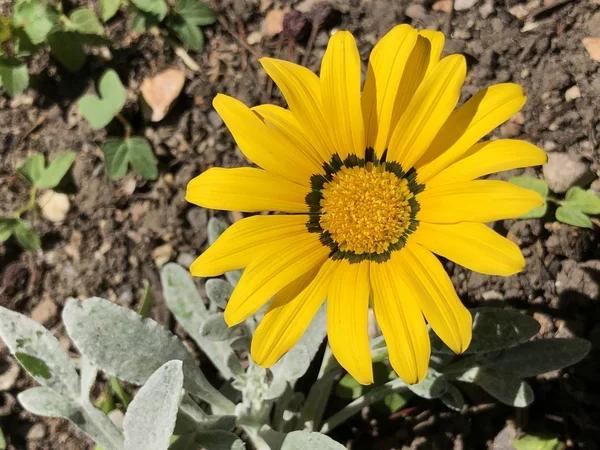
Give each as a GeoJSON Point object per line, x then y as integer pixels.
{"type": "Point", "coordinates": [116, 233]}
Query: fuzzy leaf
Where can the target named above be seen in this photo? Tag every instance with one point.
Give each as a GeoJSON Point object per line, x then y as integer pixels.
{"type": "Point", "coordinates": [116, 158]}
{"type": "Point", "coordinates": [214, 328]}
{"type": "Point", "coordinates": [150, 418]}
{"type": "Point", "coordinates": [67, 48]}
{"type": "Point", "coordinates": [36, 17]}
{"type": "Point", "coordinates": [453, 398]}
{"type": "Point", "coordinates": [99, 111]}
{"type": "Point", "coordinates": [141, 158]}
{"type": "Point", "coordinates": [348, 387]}
{"type": "Point", "coordinates": [509, 391]}
{"type": "Point", "coordinates": [85, 21]}
{"type": "Point", "coordinates": [100, 329]}
{"type": "Point", "coordinates": [7, 226]}
{"type": "Point", "coordinates": [44, 401]}
{"type": "Point", "coordinates": [195, 12]}
{"type": "Point", "coordinates": [537, 357]}
{"type": "Point", "coordinates": [14, 76]}
{"type": "Point", "coordinates": [537, 185]}
{"type": "Point", "coordinates": [39, 352]}
{"type": "Point", "coordinates": [302, 440]}
{"type": "Point", "coordinates": [109, 8]}
{"type": "Point", "coordinates": [56, 170]}
{"type": "Point", "coordinates": [184, 301]}
{"type": "Point", "coordinates": [433, 386]}
{"type": "Point", "coordinates": [294, 363]}
{"type": "Point", "coordinates": [218, 291]}
{"type": "Point", "coordinates": [32, 168]}
{"type": "Point", "coordinates": [494, 329]}
{"type": "Point", "coordinates": [219, 440]}
{"type": "Point", "coordinates": [157, 8]}
{"type": "Point", "coordinates": [26, 236]}
{"type": "Point", "coordinates": [582, 200]}
{"type": "Point", "coordinates": [568, 215]}
{"type": "Point", "coordinates": [88, 377]}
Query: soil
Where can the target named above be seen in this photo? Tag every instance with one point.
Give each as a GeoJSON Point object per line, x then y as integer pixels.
{"type": "Point", "coordinates": [116, 232]}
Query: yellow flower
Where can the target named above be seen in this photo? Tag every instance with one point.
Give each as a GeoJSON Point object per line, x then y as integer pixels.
{"type": "Point", "coordinates": [373, 185]}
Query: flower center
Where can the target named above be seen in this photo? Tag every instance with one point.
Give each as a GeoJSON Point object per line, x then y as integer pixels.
{"type": "Point", "coordinates": [366, 209]}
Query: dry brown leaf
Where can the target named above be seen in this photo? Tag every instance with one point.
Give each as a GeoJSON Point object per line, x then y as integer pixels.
{"type": "Point", "coordinates": [592, 45]}
{"type": "Point", "coordinates": [160, 91]}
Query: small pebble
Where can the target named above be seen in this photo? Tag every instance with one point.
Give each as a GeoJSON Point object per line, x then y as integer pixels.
{"type": "Point", "coordinates": [462, 5]}
{"type": "Point", "coordinates": [36, 432]}
{"type": "Point", "coordinates": [416, 11]}
{"type": "Point", "coordinates": [563, 172]}
{"type": "Point", "coordinates": [572, 93]}
{"type": "Point", "coordinates": [215, 119]}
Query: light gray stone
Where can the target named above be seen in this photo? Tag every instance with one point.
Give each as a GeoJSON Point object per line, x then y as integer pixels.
{"type": "Point", "coordinates": [563, 172]}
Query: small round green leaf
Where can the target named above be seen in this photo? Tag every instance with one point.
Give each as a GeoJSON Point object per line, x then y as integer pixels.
{"type": "Point", "coordinates": [5, 28]}
{"type": "Point", "coordinates": [156, 7]}
{"type": "Point", "coordinates": [36, 17]}
{"type": "Point", "coordinates": [195, 12]}
{"type": "Point", "coordinates": [141, 157]}
{"type": "Point", "coordinates": [188, 33]}
{"type": "Point", "coordinates": [14, 75]}
{"type": "Point", "coordinates": [99, 111]}
{"type": "Point", "coordinates": [218, 291]}
{"type": "Point", "coordinates": [85, 21]}
{"type": "Point", "coordinates": [116, 158]}
{"type": "Point", "coordinates": [582, 200]}
{"type": "Point", "coordinates": [32, 168]}
{"type": "Point", "coordinates": [109, 8]}
{"type": "Point", "coordinates": [571, 216]}
{"type": "Point", "coordinates": [56, 170]}
{"type": "Point", "coordinates": [67, 48]}
{"type": "Point", "coordinates": [26, 236]}
{"type": "Point", "coordinates": [7, 226]}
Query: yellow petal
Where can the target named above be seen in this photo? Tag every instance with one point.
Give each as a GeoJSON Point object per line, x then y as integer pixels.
{"type": "Point", "coordinates": [283, 122]}
{"type": "Point", "coordinates": [340, 88]}
{"type": "Point", "coordinates": [247, 240]}
{"type": "Point", "coordinates": [472, 245]}
{"type": "Point", "coordinates": [347, 315]}
{"type": "Point", "coordinates": [491, 157]}
{"type": "Point", "coordinates": [386, 68]}
{"type": "Point", "coordinates": [246, 189]}
{"type": "Point", "coordinates": [485, 111]}
{"type": "Point", "coordinates": [433, 291]}
{"type": "Point", "coordinates": [302, 91]}
{"type": "Point", "coordinates": [262, 145]}
{"type": "Point", "coordinates": [475, 201]}
{"type": "Point", "coordinates": [427, 111]}
{"type": "Point", "coordinates": [401, 322]}
{"type": "Point", "coordinates": [288, 316]}
{"type": "Point", "coordinates": [266, 276]}
{"type": "Point", "coordinates": [424, 56]}
{"type": "Point", "coordinates": [436, 40]}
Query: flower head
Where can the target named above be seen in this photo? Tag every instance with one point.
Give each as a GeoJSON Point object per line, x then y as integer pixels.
{"type": "Point", "coordinates": [373, 183]}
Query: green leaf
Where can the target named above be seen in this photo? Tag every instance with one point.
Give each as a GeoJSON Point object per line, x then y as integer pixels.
{"type": "Point", "coordinates": [493, 329]}
{"type": "Point", "coordinates": [109, 8]}
{"type": "Point", "coordinates": [26, 236]}
{"type": "Point", "coordinates": [14, 75]}
{"type": "Point", "coordinates": [34, 365]}
{"type": "Point", "coordinates": [22, 45]}
{"type": "Point", "coordinates": [56, 170]}
{"type": "Point", "coordinates": [85, 21]}
{"type": "Point", "coordinates": [195, 12]}
{"type": "Point", "coordinates": [188, 33]}
{"type": "Point", "coordinates": [348, 387]}
{"type": "Point", "coordinates": [143, 21]}
{"type": "Point", "coordinates": [574, 217]}
{"type": "Point", "coordinates": [99, 111]}
{"type": "Point", "coordinates": [145, 308]}
{"type": "Point", "coordinates": [509, 391]}
{"type": "Point", "coordinates": [67, 48]}
{"type": "Point", "coordinates": [32, 168]}
{"type": "Point", "coordinates": [530, 442]}
{"type": "Point", "coordinates": [453, 398]}
{"type": "Point", "coordinates": [218, 291]}
{"type": "Point", "coordinates": [2, 440]}
{"type": "Point", "coordinates": [394, 402]}
{"type": "Point", "coordinates": [537, 185]}
{"type": "Point", "coordinates": [116, 158]}
{"type": "Point", "coordinates": [156, 7]}
{"type": "Point", "coordinates": [5, 28]}
{"type": "Point", "coordinates": [141, 157]}
{"type": "Point", "coordinates": [582, 200]}
{"type": "Point", "coordinates": [117, 388]}
{"type": "Point", "coordinates": [7, 226]}
{"type": "Point", "coordinates": [537, 357]}
{"type": "Point", "coordinates": [215, 328]}
{"type": "Point", "coordinates": [36, 17]}
{"type": "Point", "coordinates": [433, 386]}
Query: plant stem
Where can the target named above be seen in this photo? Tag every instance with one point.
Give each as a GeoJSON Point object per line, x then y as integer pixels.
{"type": "Point", "coordinates": [126, 125]}
{"type": "Point", "coordinates": [352, 408]}
{"type": "Point", "coordinates": [30, 205]}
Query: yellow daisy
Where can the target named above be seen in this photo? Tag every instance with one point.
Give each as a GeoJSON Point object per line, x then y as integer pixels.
{"type": "Point", "coordinates": [372, 184]}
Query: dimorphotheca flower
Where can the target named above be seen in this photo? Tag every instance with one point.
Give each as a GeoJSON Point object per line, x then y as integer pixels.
{"type": "Point", "coordinates": [372, 184]}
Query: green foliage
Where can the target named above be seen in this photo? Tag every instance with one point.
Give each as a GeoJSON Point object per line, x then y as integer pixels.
{"type": "Point", "coordinates": [33, 169]}
{"type": "Point", "coordinates": [13, 75]}
{"type": "Point", "coordinates": [157, 8]}
{"type": "Point", "coordinates": [145, 308]}
{"type": "Point", "coordinates": [36, 17]}
{"type": "Point", "coordinates": [109, 8]}
{"type": "Point", "coordinates": [119, 153]}
{"type": "Point", "coordinates": [5, 29]}
{"type": "Point", "coordinates": [85, 21]}
{"type": "Point", "coordinates": [530, 442]}
{"type": "Point", "coordinates": [34, 365]}
{"type": "Point", "coordinates": [26, 235]}
{"type": "Point", "coordinates": [188, 33]}
{"type": "Point", "coordinates": [99, 111]}
{"type": "Point", "coordinates": [189, 16]}
{"type": "Point", "coordinates": [573, 210]}
{"type": "Point", "coordinates": [538, 186]}
{"type": "Point", "coordinates": [2, 440]}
